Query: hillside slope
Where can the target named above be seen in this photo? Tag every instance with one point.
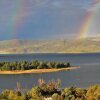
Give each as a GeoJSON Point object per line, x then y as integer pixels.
{"type": "Point", "coordinates": [50, 46]}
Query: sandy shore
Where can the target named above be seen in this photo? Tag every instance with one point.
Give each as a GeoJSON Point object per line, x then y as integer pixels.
{"type": "Point", "coordinates": [37, 71]}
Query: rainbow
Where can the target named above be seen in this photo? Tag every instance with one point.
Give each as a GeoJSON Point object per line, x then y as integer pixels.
{"type": "Point", "coordinates": [20, 13]}
{"type": "Point", "coordinates": [87, 21]}
{"type": "Point", "coordinates": [18, 17]}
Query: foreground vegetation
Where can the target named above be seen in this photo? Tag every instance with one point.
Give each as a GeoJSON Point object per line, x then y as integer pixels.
{"type": "Point", "coordinates": [51, 91]}
{"type": "Point", "coordinates": [26, 65]}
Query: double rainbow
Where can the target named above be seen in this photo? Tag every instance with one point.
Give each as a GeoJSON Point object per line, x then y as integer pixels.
{"type": "Point", "coordinates": [20, 13]}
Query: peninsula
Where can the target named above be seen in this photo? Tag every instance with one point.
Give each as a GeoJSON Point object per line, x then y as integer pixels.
{"type": "Point", "coordinates": [26, 67]}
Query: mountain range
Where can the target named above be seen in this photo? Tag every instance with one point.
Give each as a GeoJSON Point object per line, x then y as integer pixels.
{"type": "Point", "coordinates": [85, 45]}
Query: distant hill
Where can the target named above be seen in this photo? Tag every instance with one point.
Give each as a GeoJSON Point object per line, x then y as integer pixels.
{"type": "Point", "coordinates": [50, 46]}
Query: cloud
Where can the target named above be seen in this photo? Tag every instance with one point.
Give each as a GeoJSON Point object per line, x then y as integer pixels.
{"type": "Point", "coordinates": [95, 7]}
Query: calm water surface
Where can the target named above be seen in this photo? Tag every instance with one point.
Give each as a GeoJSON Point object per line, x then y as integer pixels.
{"type": "Point", "coordinates": [88, 74]}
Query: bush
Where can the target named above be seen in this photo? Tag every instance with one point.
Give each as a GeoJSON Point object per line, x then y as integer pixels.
{"type": "Point", "coordinates": [55, 96]}
{"type": "Point", "coordinates": [50, 89]}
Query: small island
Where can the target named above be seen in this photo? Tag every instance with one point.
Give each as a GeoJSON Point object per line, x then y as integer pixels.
{"type": "Point", "coordinates": [35, 66]}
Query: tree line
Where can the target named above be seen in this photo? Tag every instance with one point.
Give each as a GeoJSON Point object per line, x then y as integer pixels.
{"type": "Point", "coordinates": [51, 91]}
{"type": "Point", "coordinates": [35, 64]}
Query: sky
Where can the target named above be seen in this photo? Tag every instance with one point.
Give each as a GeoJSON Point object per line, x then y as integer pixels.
{"type": "Point", "coordinates": [46, 19]}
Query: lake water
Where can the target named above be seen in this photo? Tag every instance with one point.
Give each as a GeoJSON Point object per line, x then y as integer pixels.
{"type": "Point", "coordinates": [88, 74]}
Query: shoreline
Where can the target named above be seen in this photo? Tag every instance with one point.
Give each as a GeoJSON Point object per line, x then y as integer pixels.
{"type": "Point", "coordinates": [50, 53]}
{"type": "Point", "coordinates": [81, 53]}
{"type": "Point", "coordinates": [38, 71]}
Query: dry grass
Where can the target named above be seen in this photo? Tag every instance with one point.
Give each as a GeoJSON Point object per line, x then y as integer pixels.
{"type": "Point", "coordinates": [37, 71]}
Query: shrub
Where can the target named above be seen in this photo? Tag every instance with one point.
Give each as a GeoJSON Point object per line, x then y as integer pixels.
{"type": "Point", "coordinates": [55, 96]}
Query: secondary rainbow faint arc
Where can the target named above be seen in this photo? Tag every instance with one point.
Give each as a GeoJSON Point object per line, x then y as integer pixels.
{"type": "Point", "coordinates": [88, 19]}
{"type": "Point", "coordinates": [20, 14]}
{"type": "Point", "coordinates": [18, 17]}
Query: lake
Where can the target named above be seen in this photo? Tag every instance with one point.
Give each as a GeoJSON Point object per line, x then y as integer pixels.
{"type": "Point", "coordinates": [88, 74]}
